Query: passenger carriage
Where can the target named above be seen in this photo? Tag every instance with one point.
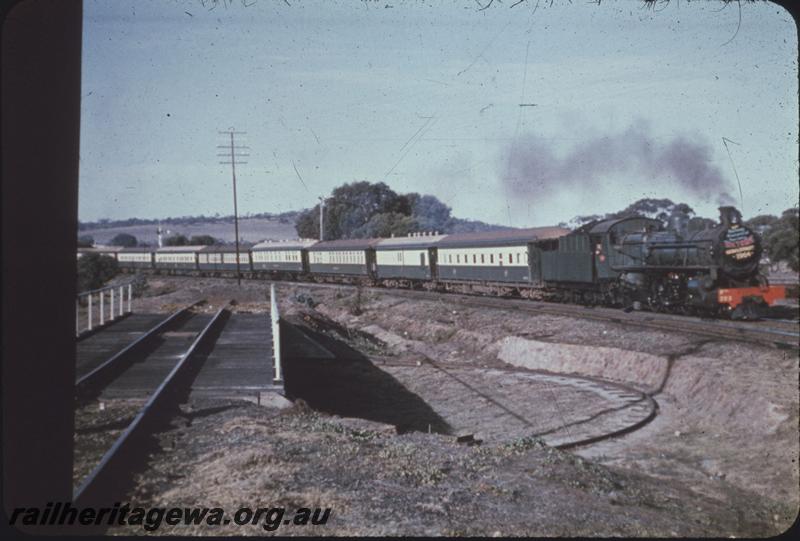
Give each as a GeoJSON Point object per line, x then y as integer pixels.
{"type": "Point", "coordinates": [407, 258]}
{"type": "Point", "coordinates": [493, 256]}
{"type": "Point", "coordinates": [135, 258]}
{"type": "Point", "coordinates": [108, 251]}
{"type": "Point", "coordinates": [282, 256]}
{"type": "Point", "coordinates": [177, 257]}
{"type": "Point", "coordinates": [349, 257]}
{"type": "Point", "coordinates": [223, 258]}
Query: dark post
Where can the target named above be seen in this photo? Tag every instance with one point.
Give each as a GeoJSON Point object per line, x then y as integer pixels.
{"type": "Point", "coordinates": [235, 215]}
{"type": "Point", "coordinates": [41, 83]}
{"type": "Point", "coordinates": [233, 157]}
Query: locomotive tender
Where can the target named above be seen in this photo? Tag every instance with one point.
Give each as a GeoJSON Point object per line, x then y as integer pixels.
{"type": "Point", "coordinates": [629, 262]}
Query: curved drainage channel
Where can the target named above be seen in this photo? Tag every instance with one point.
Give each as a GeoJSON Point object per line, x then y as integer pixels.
{"type": "Point", "coordinates": [507, 404]}
{"type": "Point", "coordinates": [491, 404]}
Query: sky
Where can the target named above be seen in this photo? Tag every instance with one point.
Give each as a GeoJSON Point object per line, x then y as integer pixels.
{"type": "Point", "coordinates": [521, 116]}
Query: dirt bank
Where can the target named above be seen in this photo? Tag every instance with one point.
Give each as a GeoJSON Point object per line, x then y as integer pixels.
{"type": "Point", "coordinates": [720, 458]}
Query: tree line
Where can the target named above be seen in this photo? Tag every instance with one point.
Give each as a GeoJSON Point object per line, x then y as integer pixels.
{"type": "Point", "coordinates": [105, 223]}
{"type": "Point", "coordinates": [781, 236]}
{"type": "Point", "coordinates": [127, 240]}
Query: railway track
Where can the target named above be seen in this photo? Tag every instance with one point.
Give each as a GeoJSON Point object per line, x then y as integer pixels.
{"type": "Point", "coordinates": [754, 332]}
{"type": "Point", "coordinates": [784, 333]}
{"type": "Point", "coordinates": [172, 365]}
{"type": "Point", "coordinates": [94, 376]}
{"type": "Point", "coordinates": [781, 333]}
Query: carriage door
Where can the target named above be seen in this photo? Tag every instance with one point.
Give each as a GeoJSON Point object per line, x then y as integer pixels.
{"type": "Point", "coordinates": [371, 262]}
{"type": "Point", "coordinates": [535, 264]}
{"type": "Point", "coordinates": [432, 263]}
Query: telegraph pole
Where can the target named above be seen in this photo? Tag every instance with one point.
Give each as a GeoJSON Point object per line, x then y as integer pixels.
{"type": "Point", "coordinates": [321, 223]}
{"type": "Point", "coordinates": [232, 156]}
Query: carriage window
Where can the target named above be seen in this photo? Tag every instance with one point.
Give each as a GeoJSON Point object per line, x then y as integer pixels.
{"type": "Point", "coordinates": [483, 259]}
{"type": "Point", "coordinates": [510, 258]}
{"type": "Point", "coordinates": [458, 258]}
{"type": "Point", "coordinates": [474, 258]}
{"type": "Point", "coordinates": [449, 258]}
{"type": "Point", "coordinates": [491, 258]}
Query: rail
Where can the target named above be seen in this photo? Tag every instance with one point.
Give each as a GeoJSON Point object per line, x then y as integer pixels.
{"type": "Point", "coordinates": [105, 477]}
{"type": "Point", "coordinates": [669, 322]}
{"type": "Point", "coordinates": [101, 310]}
{"type": "Point", "coordinates": [94, 379]}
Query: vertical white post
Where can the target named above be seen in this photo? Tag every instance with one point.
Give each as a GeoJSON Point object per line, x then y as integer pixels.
{"type": "Point", "coordinates": [121, 298]}
{"type": "Point", "coordinates": [90, 312]}
{"type": "Point", "coordinates": [111, 318]}
{"type": "Point", "coordinates": [102, 311]}
{"type": "Point", "coordinates": [129, 298]}
{"type": "Point", "coordinates": [276, 334]}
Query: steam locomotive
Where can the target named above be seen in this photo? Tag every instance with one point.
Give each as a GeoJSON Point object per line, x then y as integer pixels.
{"type": "Point", "coordinates": [632, 262]}
{"type": "Point", "coordinates": [710, 271]}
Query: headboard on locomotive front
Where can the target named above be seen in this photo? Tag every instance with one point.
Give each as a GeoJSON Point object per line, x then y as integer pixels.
{"type": "Point", "coordinates": [736, 248]}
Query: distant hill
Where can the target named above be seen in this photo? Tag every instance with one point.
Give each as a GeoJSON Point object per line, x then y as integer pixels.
{"type": "Point", "coordinates": [284, 217]}
{"type": "Point", "coordinates": [254, 228]}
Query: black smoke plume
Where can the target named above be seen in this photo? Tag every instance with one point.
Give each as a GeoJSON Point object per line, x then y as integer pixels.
{"type": "Point", "coordinates": [535, 171]}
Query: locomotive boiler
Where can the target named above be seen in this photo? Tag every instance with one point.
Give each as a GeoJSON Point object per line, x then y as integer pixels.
{"type": "Point", "coordinates": [671, 270]}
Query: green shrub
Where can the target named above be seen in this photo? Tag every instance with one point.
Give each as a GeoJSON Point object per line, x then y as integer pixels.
{"type": "Point", "coordinates": [94, 270]}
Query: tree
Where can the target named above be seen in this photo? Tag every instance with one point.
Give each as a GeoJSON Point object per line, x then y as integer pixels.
{"type": "Point", "coordinates": [783, 238]}
{"type": "Point", "coordinates": [762, 223]}
{"type": "Point", "coordinates": [85, 241]}
{"type": "Point", "coordinates": [698, 223]}
{"type": "Point", "coordinates": [364, 209]}
{"type": "Point", "coordinates": [94, 270]}
{"type": "Point", "coordinates": [124, 239]}
{"type": "Point", "coordinates": [307, 224]}
{"type": "Point", "coordinates": [350, 207]}
{"type": "Point", "coordinates": [430, 213]}
{"type": "Point", "coordinates": [660, 209]}
{"type": "Point", "coordinates": [176, 240]}
{"type": "Point", "coordinates": [670, 213]}
{"type": "Point", "coordinates": [385, 225]}
{"type": "Point", "coordinates": [202, 240]}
